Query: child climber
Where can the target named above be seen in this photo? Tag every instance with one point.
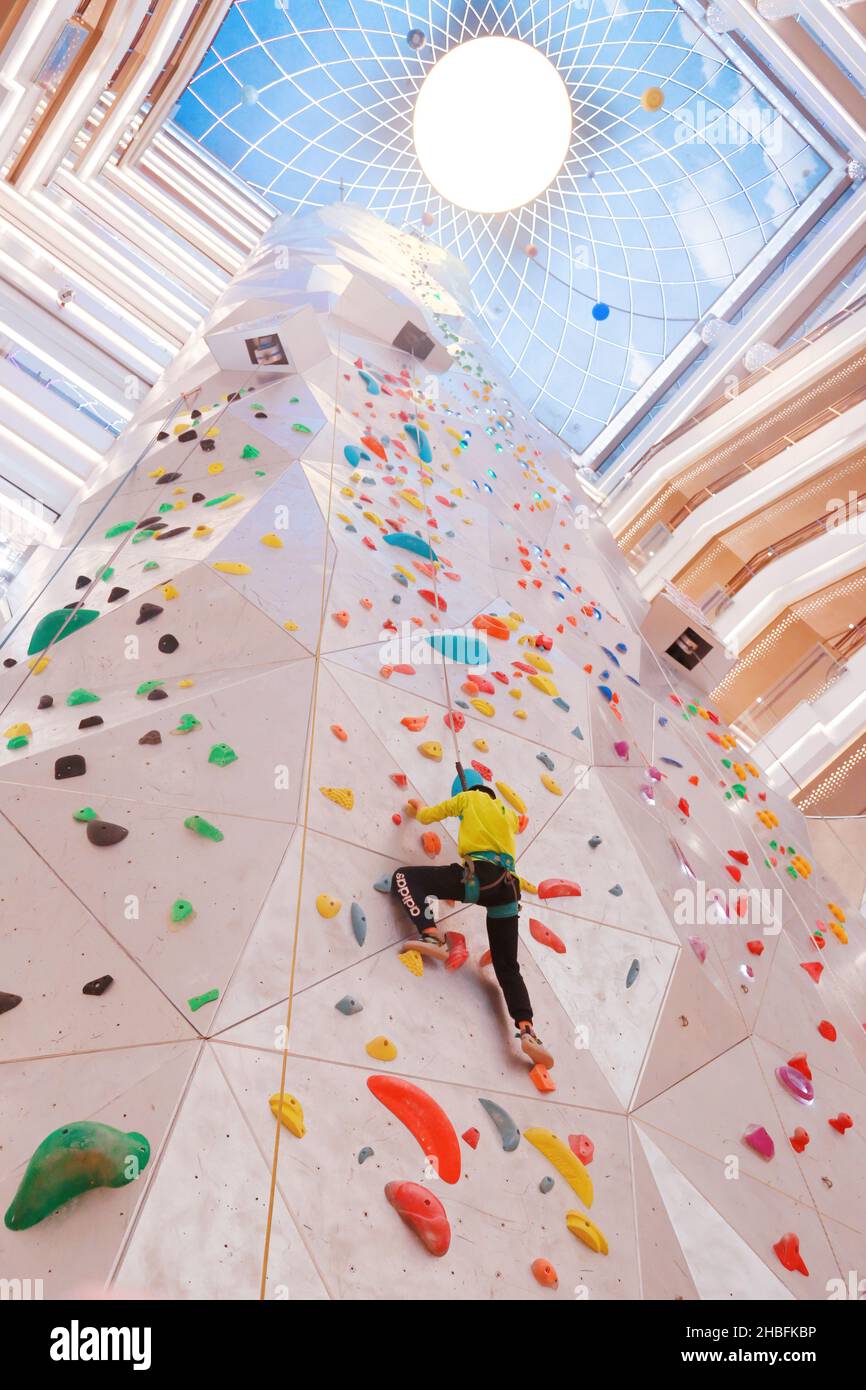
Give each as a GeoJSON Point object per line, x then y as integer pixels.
{"type": "Point", "coordinates": [486, 876]}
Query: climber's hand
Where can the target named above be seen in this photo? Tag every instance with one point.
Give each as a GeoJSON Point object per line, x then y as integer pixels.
{"type": "Point", "coordinates": [413, 806]}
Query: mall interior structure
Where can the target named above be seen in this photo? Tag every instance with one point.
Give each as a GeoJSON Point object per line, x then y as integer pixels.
{"type": "Point", "coordinates": [389, 391]}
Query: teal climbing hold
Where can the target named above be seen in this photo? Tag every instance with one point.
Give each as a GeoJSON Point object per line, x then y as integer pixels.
{"type": "Point", "coordinates": [460, 647]}
{"type": "Point", "coordinates": [57, 625]}
{"type": "Point", "coordinates": [353, 455]}
{"type": "Point", "coordinates": [421, 442]}
{"type": "Point", "coordinates": [359, 923]}
{"type": "Point", "coordinates": [383, 884]}
{"type": "Point", "coordinates": [72, 1160]}
{"type": "Point", "coordinates": [405, 541]}
{"type": "Point", "coordinates": [365, 1153]}
{"type": "Point", "coordinates": [508, 1130]}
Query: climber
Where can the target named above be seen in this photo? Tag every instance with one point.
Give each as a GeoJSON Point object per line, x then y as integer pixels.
{"type": "Point", "coordinates": [486, 876]}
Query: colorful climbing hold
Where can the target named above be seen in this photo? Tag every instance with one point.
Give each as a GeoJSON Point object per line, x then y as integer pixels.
{"type": "Point", "coordinates": [72, 1160]}
{"type": "Point", "coordinates": [289, 1111]}
{"type": "Point", "coordinates": [424, 1118]}
{"type": "Point", "coordinates": [423, 1213]}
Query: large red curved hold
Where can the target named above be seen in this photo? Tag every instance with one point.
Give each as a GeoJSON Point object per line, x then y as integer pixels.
{"type": "Point", "coordinates": [425, 1119]}
{"type": "Point", "coordinates": [558, 888]}
{"type": "Point", "coordinates": [423, 1213]}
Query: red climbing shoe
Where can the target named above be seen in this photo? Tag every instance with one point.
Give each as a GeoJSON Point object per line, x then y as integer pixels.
{"type": "Point", "coordinates": [534, 1048]}
{"type": "Point", "coordinates": [431, 945]}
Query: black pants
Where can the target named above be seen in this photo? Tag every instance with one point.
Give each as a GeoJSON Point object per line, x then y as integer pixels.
{"type": "Point", "coordinates": [412, 886]}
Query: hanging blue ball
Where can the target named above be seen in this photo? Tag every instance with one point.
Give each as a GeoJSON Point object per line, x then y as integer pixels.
{"type": "Point", "coordinates": [416, 38]}
{"type": "Point", "coordinates": [600, 312]}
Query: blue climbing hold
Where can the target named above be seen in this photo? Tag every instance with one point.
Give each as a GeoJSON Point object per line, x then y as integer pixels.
{"type": "Point", "coordinates": [507, 1128]}
{"type": "Point", "coordinates": [563, 704]}
{"type": "Point", "coordinates": [349, 1005]}
{"type": "Point", "coordinates": [421, 442]}
{"type": "Point", "coordinates": [606, 692]}
{"type": "Point", "coordinates": [461, 647]}
{"type": "Point", "coordinates": [365, 1153]}
{"type": "Point", "coordinates": [359, 923]}
{"type": "Point", "coordinates": [383, 884]}
{"type": "Point", "coordinates": [546, 1185]}
{"type": "Point", "coordinates": [353, 455]}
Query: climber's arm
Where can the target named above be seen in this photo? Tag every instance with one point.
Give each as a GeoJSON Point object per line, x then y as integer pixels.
{"type": "Point", "coordinates": [452, 807]}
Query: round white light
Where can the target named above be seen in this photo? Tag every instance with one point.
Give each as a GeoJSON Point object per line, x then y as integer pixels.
{"type": "Point", "coordinates": [492, 124]}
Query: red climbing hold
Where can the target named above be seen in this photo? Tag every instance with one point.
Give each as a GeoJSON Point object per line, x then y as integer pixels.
{"type": "Point", "coordinates": [486, 959]}
{"type": "Point", "coordinates": [547, 937]}
{"type": "Point", "coordinates": [582, 1146]}
{"type": "Point", "coordinates": [800, 1064]}
{"type": "Point", "coordinates": [485, 771]}
{"type": "Point", "coordinates": [827, 1030]}
{"type": "Point", "coordinates": [841, 1122]}
{"type": "Point", "coordinates": [799, 1139]}
{"type": "Point", "coordinates": [683, 806]}
{"type": "Point", "coordinates": [740, 855]}
{"type": "Point", "coordinates": [813, 969]}
{"type": "Point", "coordinates": [471, 1137]}
{"type": "Point", "coordinates": [424, 1118]}
{"type": "Point", "coordinates": [454, 720]}
{"type": "Point", "coordinates": [429, 597]}
{"type": "Point", "coordinates": [458, 951]}
{"type": "Point", "coordinates": [558, 887]}
{"type": "Point", "coordinates": [788, 1251]}
{"type": "Point", "coordinates": [399, 778]}
{"type": "Point", "coordinates": [423, 1213]}
{"type": "Point", "coordinates": [756, 947]}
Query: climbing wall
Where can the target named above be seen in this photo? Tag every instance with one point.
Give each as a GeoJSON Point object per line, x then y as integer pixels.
{"type": "Point", "coordinates": [299, 591]}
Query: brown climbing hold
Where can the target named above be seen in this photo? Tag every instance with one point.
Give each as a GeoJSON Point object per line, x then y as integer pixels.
{"type": "Point", "coordinates": [168, 643]}
{"type": "Point", "coordinates": [152, 736]}
{"type": "Point", "coordinates": [103, 833]}
{"type": "Point", "coordinates": [45, 702]}
{"type": "Point", "coordinates": [146, 612]}
{"type": "Point", "coordinates": [98, 986]}
{"type": "Point", "coordinates": [8, 1002]}
{"type": "Point", "coordinates": [71, 765]}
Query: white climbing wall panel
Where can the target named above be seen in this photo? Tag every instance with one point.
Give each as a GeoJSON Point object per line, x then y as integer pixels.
{"type": "Point", "coordinates": [226, 630]}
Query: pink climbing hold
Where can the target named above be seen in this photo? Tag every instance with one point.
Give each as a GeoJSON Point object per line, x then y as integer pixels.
{"type": "Point", "coordinates": [621, 749]}
{"type": "Point", "coordinates": [423, 1213]}
{"type": "Point", "coordinates": [788, 1251]}
{"type": "Point", "coordinates": [545, 936]}
{"type": "Point", "coordinates": [795, 1082]}
{"type": "Point", "coordinates": [758, 1139]}
{"type": "Point", "coordinates": [699, 947]}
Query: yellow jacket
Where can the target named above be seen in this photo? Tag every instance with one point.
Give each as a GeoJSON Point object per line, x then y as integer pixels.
{"type": "Point", "coordinates": [486, 824]}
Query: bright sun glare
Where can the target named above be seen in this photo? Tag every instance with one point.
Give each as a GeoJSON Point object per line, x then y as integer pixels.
{"type": "Point", "coordinates": [492, 124]}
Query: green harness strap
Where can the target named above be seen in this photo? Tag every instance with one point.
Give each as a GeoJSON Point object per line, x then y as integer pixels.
{"type": "Point", "coordinates": [504, 910]}
{"type": "Point", "coordinates": [471, 885]}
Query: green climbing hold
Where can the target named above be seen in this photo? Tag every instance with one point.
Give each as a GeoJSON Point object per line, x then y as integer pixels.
{"type": "Point", "coordinates": [204, 828]}
{"type": "Point", "coordinates": [57, 625]}
{"type": "Point", "coordinates": [739, 789]}
{"type": "Point", "coordinates": [186, 724]}
{"type": "Point", "coordinates": [142, 536]}
{"type": "Point", "coordinates": [146, 687]}
{"type": "Point", "coordinates": [215, 501]}
{"type": "Point", "coordinates": [106, 573]}
{"type": "Point", "coordinates": [119, 529]}
{"type": "Point", "coordinates": [181, 910]}
{"type": "Point", "coordinates": [72, 1160]}
{"type": "Point", "coordinates": [85, 814]}
{"type": "Point", "coordinates": [152, 565]}
{"type": "Point", "coordinates": [301, 429]}
{"type": "Point", "coordinates": [20, 741]}
{"type": "Point", "coordinates": [82, 697]}
{"type": "Point", "coordinates": [222, 754]}
{"type": "Point", "coordinates": [198, 1000]}
{"type": "Point", "coordinates": [249, 452]}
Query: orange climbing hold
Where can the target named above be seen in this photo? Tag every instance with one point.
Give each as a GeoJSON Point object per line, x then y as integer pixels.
{"type": "Point", "coordinates": [788, 1251]}
{"type": "Point", "coordinates": [424, 1118]}
{"type": "Point", "coordinates": [471, 1137]}
{"type": "Point", "coordinates": [458, 951]}
{"type": "Point", "coordinates": [431, 843]}
{"type": "Point", "coordinates": [423, 1213]}
{"type": "Point", "coordinates": [494, 627]}
{"type": "Point", "coordinates": [429, 597]}
{"type": "Point", "coordinates": [541, 1078]}
{"type": "Point", "coordinates": [414, 722]}
{"type": "Point", "coordinates": [545, 1274]}
{"type": "Point", "coordinates": [341, 618]}
{"type": "Point", "coordinates": [339, 732]}
{"type": "Point", "coordinates": [545, 936]}
{"type": "Point", "coordinates": [374, 446]}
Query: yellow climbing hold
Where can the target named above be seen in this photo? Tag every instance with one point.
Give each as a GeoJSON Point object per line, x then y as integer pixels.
{"type": "Point", "coordinates": [215, 468]}
{"type": "Point", "coordinates": [653, 99]}
{"type": "Point", "coordinates": [371, 516]}
{"type": "Point", "coordinates": [38, 664]}
{"type": "Point", "coordinates": [516, 693]}
{"type": "Point", "coordinates": [290, 626]}
{"type": "Point", "coordinates": [551, 784]}
{"type": "Point", "coordinates": [230, 501]}
{"type": "Point", "coordinates": [382, 1049]}
{"type": "Point", "coordinates": [526, 886]}
{"type": "Point", "coordinates": [412, 499]}
{"type": "Point", "coordinates": [413, 962]}
{"type": "Point", "coordinates": [520, 714]}
{"type": "Point", "coordinates": [540, 663]}
{"type": "Point", "coordinates": [201, 531]}
{"type": "Point", "coordinates": [287, 1109]}
{"type": "Point", "coordinates": [231, 567]}
{"type": "Point", "coordinates": [327, 906]}
{"type": "Point", "coordinates": [839, 932]}
{"type": "Point", "coordinates": [185, 683]}
{"type": "Point", "coordinates": [18, 731]}
{"type": "Point", "coordinates": [272, 539]}
{"type": "Point", "coordinates": [170, 591]}
{"type": "Point", "coordinates": [564, 1161]}
{"type": "Point", "coordinates": [544, 684]}
{"type": "Point", "coordinates": [483, 707]}
{"type": "Point", "coordinates": [343, 796]}
{"type": "Point", "coordinates": [587, 1231]}
{"type": "Point", "coordinates": [482, 745]}
{"type": "Point", "coordinates": [510, 795]}
{"type": "Point", "coordinates": [432, 750]}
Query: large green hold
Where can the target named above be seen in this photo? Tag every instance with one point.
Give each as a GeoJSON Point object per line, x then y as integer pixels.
{"type": "Point", "coordinates": [72, 1160]}
{"type": "Point", "coordinates": [47, 630]}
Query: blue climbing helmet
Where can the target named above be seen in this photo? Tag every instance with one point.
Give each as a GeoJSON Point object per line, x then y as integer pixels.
{"type": "Point", "coordinates": [473, 779]}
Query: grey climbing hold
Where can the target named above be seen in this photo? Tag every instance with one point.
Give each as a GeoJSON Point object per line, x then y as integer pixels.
{"type": "Point", "coordinates": [594, 841]}
{"type": "Point", "coordinates": [545, 1185]}
{"type": "Point", "coordinates": [349, 1005]}
{"type": "Point", "coordinates": [547, 760]}
{"type": "Point", "coordinates": [577, 732]}
{"type": "Point", "coordinates": [563, 704]}
{"type": "Point", "coordinates": [365, 1153]}
{"type": "Point", "coordinates": [383, 884]}
{"type": "Point", "coordinates": [508, 1130]}
{"type": "Point", "coordinates": [633, 972]}
{"type": "Point", "coordinates": [103, 833]}
{"type": "Point", "coordinates": [616, 890]}
{"type": "Point", "coordinates": [98, 986]}
{"type": "Point", "coordinates": [359, 923]}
